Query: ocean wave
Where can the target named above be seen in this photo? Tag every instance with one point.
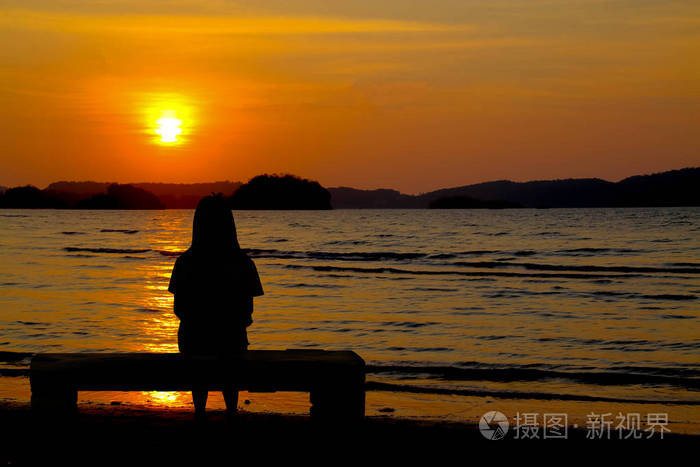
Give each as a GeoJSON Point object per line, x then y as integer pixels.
{"type": "Point", "coordinates": [391, 270]}
{"type": "Point", "coordinates": [628, 345]}
{"type": "Point", "coordinates": [347, 242]}
{"type": "Point", "coordinates": [149, 310]}
{"type": "Point", "coordinates": [462, 253]}
{"type": "Point", "coordinates": [375, 255]}
{"type": "Point", "coordinates": [170, 253]}
{"type": "Point", "coordinates": [508, 261]}
{"type": "Point", "coordinates": [419, 349]}
{"type": "Point", "coordinates": [524, 253]}
{"type": "Point", "coordinates": [522, 373]}
{"type": "Point", "coordinates": [551, 234]}
{"type": "Point", "coordinates": [572, 267]}
{"type": "Point", "coordinates": [501, 263]}
{"type": "Point", "coordinates": [106, 250]}
{"type": "Point", "coordinates": [366, 256]}
{"type": "Point", "coordinates": [329, 255]}
{"type": "Point", "coordinates": [125, 231]}
{"type": "Point", "coordinates": [670, 297]}
{"type": "Point", "coordinates": [601, 250]}
{"type": "Point", "coordinates": [314, 286]}
{"type": "Point", "coordinates": [409, 324]}
{"type": "Point", "coordinates": [492, 234]}
{"type": "Point", "coordinates": [516, 293]}
{"type": "Point", "coordinates": [381, 386]}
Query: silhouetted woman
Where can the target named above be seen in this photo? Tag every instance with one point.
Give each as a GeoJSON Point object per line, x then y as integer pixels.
{"type": "Point", "coordinates": [214, 283]}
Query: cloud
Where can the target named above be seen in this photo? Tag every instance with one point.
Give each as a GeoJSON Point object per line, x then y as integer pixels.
{"type": "Point", "coordinates": [209, 25]}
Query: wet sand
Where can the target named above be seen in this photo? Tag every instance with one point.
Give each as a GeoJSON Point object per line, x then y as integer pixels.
{"type": "Point", "coordinates": [101, 434]}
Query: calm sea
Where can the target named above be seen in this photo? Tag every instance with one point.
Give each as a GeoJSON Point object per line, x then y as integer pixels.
{"type": "Point", "coordinates": [589, 306]}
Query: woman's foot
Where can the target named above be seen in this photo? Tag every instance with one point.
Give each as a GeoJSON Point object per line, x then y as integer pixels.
{"type": "Point", "coordinates": [232, 416]}
{"type": "Point", "coordinates": [200, 416]}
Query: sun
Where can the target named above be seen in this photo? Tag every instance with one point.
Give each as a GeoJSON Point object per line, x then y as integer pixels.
{"type": "Point", "coordinates": [168, 127]}
{"type": "Point", "coordinates": [168, 119]}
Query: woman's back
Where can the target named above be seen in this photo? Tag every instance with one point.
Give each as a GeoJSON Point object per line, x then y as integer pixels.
{"type": "Point", "coordinates": [214, 283]}
{"type": "Point", "coordinates": [214, 301]}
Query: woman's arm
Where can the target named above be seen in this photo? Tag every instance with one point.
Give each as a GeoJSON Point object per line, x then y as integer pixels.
{"type": "Point", "coordinates": [180, 305]}
{"type": "Point", "coordinates": [248, 311]}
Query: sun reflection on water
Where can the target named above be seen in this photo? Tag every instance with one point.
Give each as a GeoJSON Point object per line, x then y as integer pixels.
{"type": "Point", "coordinates": [167, 398]}
{"type": "Point", "coordinates": [159, 331]}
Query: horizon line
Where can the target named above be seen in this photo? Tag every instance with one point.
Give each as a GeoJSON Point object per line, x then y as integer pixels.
{"type": "Point", "coordinates": [355, 188]}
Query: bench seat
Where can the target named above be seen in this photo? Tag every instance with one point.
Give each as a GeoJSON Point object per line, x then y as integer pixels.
{"type": "Point", "coordinates": [334, 379]}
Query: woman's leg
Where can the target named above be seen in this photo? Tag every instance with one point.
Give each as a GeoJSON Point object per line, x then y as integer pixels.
{"type": "Point", "coordinates": [199, 397]}
{"type": "Point", "coordinates": [231, 399]}
{"type": "Point", "coordinates": [231, 395]}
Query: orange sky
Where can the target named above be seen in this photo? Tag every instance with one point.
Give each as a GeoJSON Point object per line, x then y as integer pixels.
{"type": "Point", "coordinates": [408, 95]}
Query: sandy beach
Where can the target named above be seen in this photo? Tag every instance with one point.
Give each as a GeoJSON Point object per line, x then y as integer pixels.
{"type": "Point", "coordinates": [108, 433]}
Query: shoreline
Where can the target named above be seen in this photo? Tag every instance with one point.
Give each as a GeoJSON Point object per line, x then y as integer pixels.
{"type": "Point", "coordinates": [461, 413]}
{"type": "Point", "coordinates": [121, 433]}
{"type": "Point", "coordinates": [129, 419]}
{"type": "Point", "coordinates": [413, 407]}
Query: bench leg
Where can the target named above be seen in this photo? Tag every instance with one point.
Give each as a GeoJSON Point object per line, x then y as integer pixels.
{"type": "Point", "coordinates": [328, 404]}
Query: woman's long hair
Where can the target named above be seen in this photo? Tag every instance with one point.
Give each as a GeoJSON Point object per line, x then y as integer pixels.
{"type": "Point", "coordinates": [213, 228]}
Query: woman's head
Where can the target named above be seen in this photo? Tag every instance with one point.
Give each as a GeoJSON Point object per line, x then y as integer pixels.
{"type": "Point", "coordinates": [213, 227]}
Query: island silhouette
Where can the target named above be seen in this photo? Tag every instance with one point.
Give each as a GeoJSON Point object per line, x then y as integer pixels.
{"type": "Point", "coordinates": [286, 191]}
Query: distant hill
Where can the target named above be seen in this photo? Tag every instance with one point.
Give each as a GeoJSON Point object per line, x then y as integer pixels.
{"type": "Point", "coordinates": [79, 188]}
{"type": "Point", "coordinates": [673, 188]}
{"type": "Point", "coordinates": [582, 192]}
{"type": "Point", "coordinates": [173, 195]}
{"type": "Point", "coordinates": [122, 197]}
{"type": "Point", "coordinates": [29, 197]}
{"type": "Point", "coordinates": [115, 197]}
{"type": "Point", "coordinates": [345, 197]}
{"type": "Point", "coordinates": [465, 202]}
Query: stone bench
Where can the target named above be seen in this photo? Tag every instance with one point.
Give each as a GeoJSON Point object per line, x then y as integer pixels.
{"type": "Point", "coordinates": [334, 379]}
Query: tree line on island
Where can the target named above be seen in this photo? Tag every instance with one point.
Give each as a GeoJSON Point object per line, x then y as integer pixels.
{"type": "Point", "coordinates": [286, 191]}
{"type": "Point", "coordinates": [261, 192]}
